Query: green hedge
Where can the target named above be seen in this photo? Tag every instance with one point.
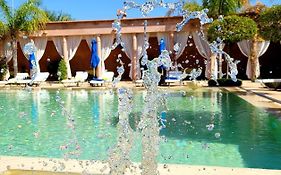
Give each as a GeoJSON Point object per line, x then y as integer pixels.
{"type": "Point", "coordinates": [224, 82]}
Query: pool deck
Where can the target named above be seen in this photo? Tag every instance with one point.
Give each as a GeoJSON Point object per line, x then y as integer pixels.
{"type": "Point", "coordinates": [254, 93]}
{"type": "Point", "coordinates": [8, 165]}
{"type": "Point", "coordinates": [259, 96]}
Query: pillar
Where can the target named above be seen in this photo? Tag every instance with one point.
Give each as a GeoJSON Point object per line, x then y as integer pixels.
{"type": "Point", "coordinates": [1, 48]}
{"type": "Point", "coordinates": [65, 57]}
{"type": "Point", "coordinates": [98, 70]}
{"type": "Point", "coordinates": [213, 65]}
{"type": "Point", "coordinates": [134, 59]}
{"type": "Point", "coordinates": [171, 43]}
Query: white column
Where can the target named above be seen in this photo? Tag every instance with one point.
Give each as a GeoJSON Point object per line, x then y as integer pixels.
{"type": "Point", "coordinates": [98, 71]}
{"type": "Point", "coordinates": [134, 59]}
{"type": "Point", "coordinates": [65, 57]}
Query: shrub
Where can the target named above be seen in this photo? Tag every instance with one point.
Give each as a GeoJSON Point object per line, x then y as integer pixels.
{"type": "Point", "coordinates": [270, 23]}
{"type": "Point", "coordinates": [3, 69]}
{"type": "Point", "coordinates": [62, 70]}
{"type": "Point", "coordinates": [224, 82]}
{"type": "Point", "coordinates": [212, 83]}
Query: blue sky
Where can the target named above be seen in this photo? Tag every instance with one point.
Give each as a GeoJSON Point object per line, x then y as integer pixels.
{"type": "Point", "coordinates": [101, 9]}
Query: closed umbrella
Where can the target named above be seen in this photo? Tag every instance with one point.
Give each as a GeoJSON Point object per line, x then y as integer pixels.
{"type": "Point", "coordinates": [162, 45]}
{"type": "Point", "coordinates": [32, 65]}
{"type": "Point", "coordinates": [94, 57]}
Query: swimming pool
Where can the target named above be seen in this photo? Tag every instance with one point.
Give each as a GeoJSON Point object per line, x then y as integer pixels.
{"type": "Point", "coordinates": [32, 124]}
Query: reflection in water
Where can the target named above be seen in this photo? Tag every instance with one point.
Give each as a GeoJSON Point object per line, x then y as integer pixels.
{"type": "Point", "coordinates": [249, 137]}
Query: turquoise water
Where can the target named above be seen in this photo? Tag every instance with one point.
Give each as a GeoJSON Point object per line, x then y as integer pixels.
{"type": "Point", "coordinates": [33, 125]}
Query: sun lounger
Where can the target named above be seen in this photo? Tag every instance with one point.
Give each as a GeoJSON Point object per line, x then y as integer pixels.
{"type": "Point", "coordinates": [139, 82]}
{"type": "Point", "coordinates": [80, 77]}
{"type": "Point", "coordinates": [173, 77]}
{"type": "Point", "coordinates": [97, 82]}
{"type": "Point", "coordinates": [106, 78]}
{"type": "Point", "coordinates": [3, 83]}
{"type": "Point", "coordinates": [271, 83]}
{"type": "Point", "coordinates": [39, 78]}
{"type": "Point", "coordinates": [19, 77]}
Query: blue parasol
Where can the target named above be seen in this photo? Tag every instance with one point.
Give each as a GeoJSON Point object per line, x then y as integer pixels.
{"type": "Point", "coordinates": [32, 61]}
{"type": "Point", "coordinates": [162, 46]}
{"type": "Point", "coordinates": [94, 57]}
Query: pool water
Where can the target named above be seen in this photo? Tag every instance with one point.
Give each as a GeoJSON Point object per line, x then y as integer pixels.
{"type": "Point", "coordinates": [204, 127]}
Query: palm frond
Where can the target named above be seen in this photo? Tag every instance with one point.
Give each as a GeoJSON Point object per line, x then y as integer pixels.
{"type": "Point", "coordinates": [6, 11]}
{"type": "Point", "coordinates": [29, 17]}
{"type": "Point", "coordinates": [3, 29]}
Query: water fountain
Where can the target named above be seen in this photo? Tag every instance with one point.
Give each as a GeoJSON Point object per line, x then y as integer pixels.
{"type": "Point", "coordinates": [119, 156]}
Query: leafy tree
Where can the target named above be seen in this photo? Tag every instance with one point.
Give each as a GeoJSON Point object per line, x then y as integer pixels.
{"type": "Point", "coordinates": [222, 7]}
{"type": "Point", "coordinates": [269, 23]}
{"type": "Point", "coordinates": [232, 29]}
{"type": "Point", "coordinates": [27, 19]}
{"type": "Point", "coordinates": [58, 16]}
{"type": "Point", "coordinates": [192, 6]}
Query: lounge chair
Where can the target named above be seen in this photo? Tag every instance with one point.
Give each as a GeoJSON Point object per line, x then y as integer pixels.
{"type": "Point", "coordinates": [106, 78]}
{"type": "Point", "coordinates": [80, 77]}
{"type": "Point", "coordinates": [139, 82]}
{"type": "Point", "coordinates": [19, 77]}
{"type": "Point", "coordinates": [173, 77]}
{"type": "Point", "coordinates": [39, 78]}
{"type": "Point", "coordinates": [271, 83]}
{"type": "Point", "coordinates": [3, 83]}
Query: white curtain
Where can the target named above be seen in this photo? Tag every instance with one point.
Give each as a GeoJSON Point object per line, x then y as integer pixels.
{"type": "Point", "coordinates": [204, 50]}
{"type": "Point", "coordinates": [181, 38]}
{"type": "Point", "coordinates": [166, 38]}
{"type": "Point", "coordinates": [89, 40]}
{"type": "Point", "coordinates": [129, 50]}
{"type": "Point", "coordinates": [73, 43]}
{"type": "Point", "coordinates": [40, 44]}
{"type": "Point", "coordinates": [106, 44]}
{"type": "Point", "coordinates": [8, 52]}
{"type": "Point", "coordinates": [58, 42]}
{"type": "Point", "coordinates": [245, 48]}
{"type": "Point", "coordinates": [140, 51]}
{"type": "Point", "coordinates": [23, 42]}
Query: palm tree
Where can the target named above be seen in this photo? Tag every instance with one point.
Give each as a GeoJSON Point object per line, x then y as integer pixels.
{"type": "Point", "coordinates": [58, 16]}
{"type": "Point", "coordinates": [27, 19]}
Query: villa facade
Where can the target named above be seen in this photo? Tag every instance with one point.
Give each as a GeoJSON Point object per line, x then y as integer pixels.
{"type": "Point", "coordinates": [71, 41]}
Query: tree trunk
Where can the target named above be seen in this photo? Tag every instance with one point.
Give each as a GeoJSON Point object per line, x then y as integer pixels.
{"type": "Point", "coordinates": [15, 56]}
{"type": "Point", "coordinates": [253, 60]}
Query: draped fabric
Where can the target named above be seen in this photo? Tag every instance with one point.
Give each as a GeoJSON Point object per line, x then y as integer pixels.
{"type": "Point", "coordinates": [89, 40]}
{"type": "Point", "coordinates": [204, 50]}
{"type": "Point", "coordinates": [140, 52]}
{"type": "Point", "coordinates": [129, 50]}
{"type": "Point", "coordinates": [8, 51]}
{"type": "Point", "coordinates": [181, 38]}
{"type": "Point", "coordinates": [73, 43]}
{"type": "Point", "coordinates": [23, 42]}
{"type": "Point", "coordinates": [245, 47]}
{"type": "Point", "coordinates": [166, 38]}
{"type": "Point", "coordinates": [40, 44]}
{"type": "Point", "coordinates": [106, 44]}
{"type": "Point", "coordinates": [58, 42]}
